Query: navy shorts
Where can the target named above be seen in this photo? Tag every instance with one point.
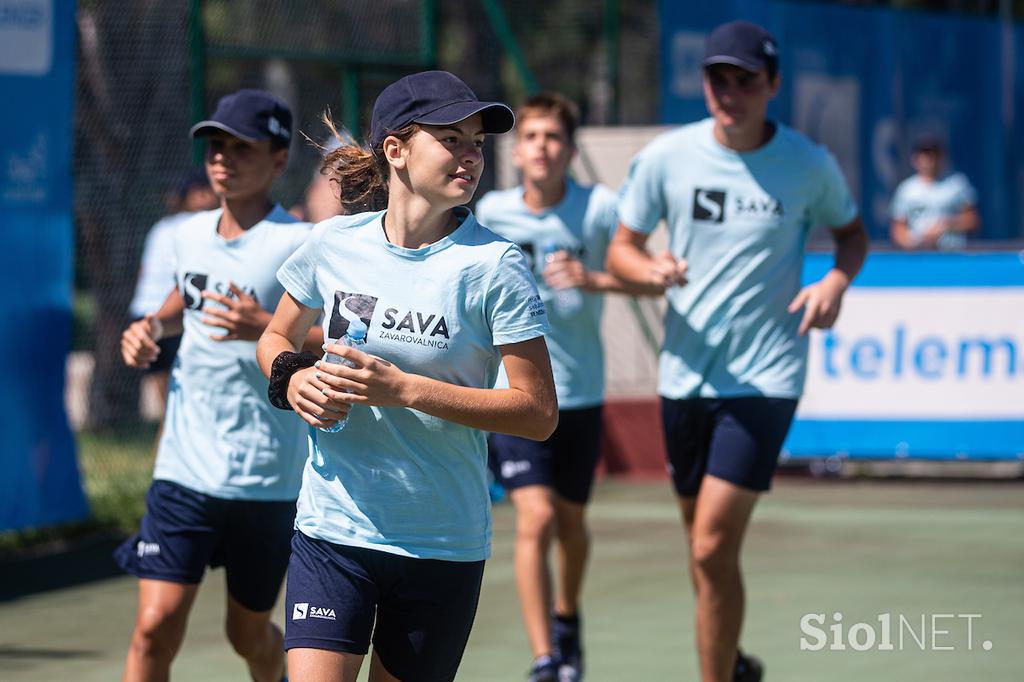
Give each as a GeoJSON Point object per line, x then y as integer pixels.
{"type": "Point", "coordinates": [566, 461]}
{"type": "Point", "coordinates": [735, 439]}
{"type": "Point", "coordinates": [424, 608]}
{"type": "Point", "coordinates": [184, 531]}
{"type": "Point", "coordinates": [168, 351]}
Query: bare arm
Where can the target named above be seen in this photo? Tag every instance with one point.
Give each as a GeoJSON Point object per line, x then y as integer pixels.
{"type": "Point", "coordinates": [629, 261]}
{"type": "Point", "coordinates": [967, 220]}
{"type": "Point", "coordinates": [899, 233]}
{"type": "Point", "coordinates": [291, 328]}
{"type": "Point", "coordinates": [564, 272]}
{"type": "Point", "coordinates": [821, 301]}
{"type": "Point", "coordinates": [528, 408]}
{"type": "Point", "coordinates": [139, 341]}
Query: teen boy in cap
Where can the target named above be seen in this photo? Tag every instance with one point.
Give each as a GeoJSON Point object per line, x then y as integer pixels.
{"type": "Point", "coordinates": [931, 209]}
{"type": "Point", "coordinates": [740, 192]}
{"type": "Point", "coordinates": [566, 227]}
{"type": "Point", "coordinates": [229, 465]}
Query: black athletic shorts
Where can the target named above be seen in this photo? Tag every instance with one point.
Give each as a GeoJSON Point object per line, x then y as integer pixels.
{"type": "Point", "coordinates": [566, 461]}
{"type": "Point", "coordinates": [418, 612]}
{"type": "Point", "coordinates": [185, 531]}
{"type": "Point", "coordinates": [735, 439]}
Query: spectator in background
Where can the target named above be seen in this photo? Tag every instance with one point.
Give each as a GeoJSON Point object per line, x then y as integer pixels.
{"type": "Point", "coordinates": [156, 271]}
{"type": "Point", "coordinates": [932, 209]}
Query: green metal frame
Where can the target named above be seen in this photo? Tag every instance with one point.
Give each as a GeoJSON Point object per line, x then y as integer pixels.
{"type": "Point", "coordinates": [354, 65]}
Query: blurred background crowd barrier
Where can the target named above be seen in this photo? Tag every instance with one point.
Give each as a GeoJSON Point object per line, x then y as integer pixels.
{"type": "Point", "coordinates": [105, 93]}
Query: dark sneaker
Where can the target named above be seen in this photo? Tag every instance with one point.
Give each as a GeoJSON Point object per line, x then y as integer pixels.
{"type": "Point", "coordinates": [544, 669]}
{"type": "Point", "coordinates": [566, 642]}
{"type": "Point", "coordinates": [748, 668]}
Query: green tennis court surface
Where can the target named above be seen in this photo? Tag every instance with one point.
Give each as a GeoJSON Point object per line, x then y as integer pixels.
{"type": "Point", "coordinates": [952, 553]}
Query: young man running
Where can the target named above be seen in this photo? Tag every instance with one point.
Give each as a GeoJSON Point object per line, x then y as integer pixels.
{"type": "Point", "coordinates": [565, 227]}
{"type": "Point", "coordinates": [740, 192]}
{"type": "Point", "coordinates": [229, 465]}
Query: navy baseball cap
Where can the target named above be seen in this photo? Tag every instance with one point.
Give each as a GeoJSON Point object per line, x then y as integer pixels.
{"type": "Point", "coordinates": [742, 44]}
{"type": "Point", "coordinates": [251, 115]}
{"type": "Point", "coordinates": [433, 98]}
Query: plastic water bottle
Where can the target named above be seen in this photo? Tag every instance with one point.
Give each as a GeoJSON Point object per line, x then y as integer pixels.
{"type": "Point", "coordinates": [354, 337]}
{"type": "Point", "coordinates": [566, 302]}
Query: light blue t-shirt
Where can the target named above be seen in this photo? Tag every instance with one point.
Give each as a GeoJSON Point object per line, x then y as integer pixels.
{"type": "Point", "coordinates": [156, 272]}
{"type": "Point", "coordinates": [582, 223]}
{"type": "Point", "coordinates": [740, 220]}
{"type": "Point", "coordinates": [396, 479]}
{"type": "Point", "coordinates": [921, 203]}
{"type": "Point", "coordinates": [222, 437]}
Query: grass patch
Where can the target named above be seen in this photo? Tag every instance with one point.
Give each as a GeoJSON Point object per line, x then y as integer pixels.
{"type": "Point", "coordinates": [117, 468]}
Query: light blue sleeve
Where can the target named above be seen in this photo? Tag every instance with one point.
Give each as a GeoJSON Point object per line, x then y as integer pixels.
{"type": "Point", "coordinates": [603, 215]}
{"type": "Point", "coordinates": [643, 200]}
{"type": "Point", "coordinates": [482, 210]}
{"type": "Point", "coordinates": [609, 211]}
{"type": "Point", "coordinates": [513, 306]}
{"type": "Point", "coordinates": [966, 196]}
{"type": "Point", "coordinates": [835, 206]}
{"type": "Point", "coordinates": [298, 274]}
{"type": "Point", "coordinates": [899, 202]}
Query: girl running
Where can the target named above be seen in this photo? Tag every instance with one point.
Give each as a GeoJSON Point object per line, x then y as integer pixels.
{"type": "Point", "coordinates": [394, 515]}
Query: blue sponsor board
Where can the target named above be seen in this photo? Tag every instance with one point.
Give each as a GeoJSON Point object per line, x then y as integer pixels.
{"type": "Point", "coordinates": [866, 80]}
{"type": "Point", "coordinates": [39, 481]}
{"type": "Point", "coordinates": [927, 361]}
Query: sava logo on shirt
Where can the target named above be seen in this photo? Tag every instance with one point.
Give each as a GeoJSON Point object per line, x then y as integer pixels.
{"type": "Point", "coordinates": [349, 307]}
{"type": "Point", "coordinates": [193, 284]}
{"type": "Point", "coordinates": [710, 205]}
{"type": "Point", "coordinates": [414, 326]}
{"type": "Point", "coordinates": [418, 327]}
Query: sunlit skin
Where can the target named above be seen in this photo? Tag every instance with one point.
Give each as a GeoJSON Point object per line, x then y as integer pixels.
{"type": "Point", "coordinates": [444, 163]}
{"type": "Point", "coordinates": [542, 152]}
{"type": "Point", "coordinates": [927, 163]}
{"type": "Point", "coordinates": [738, 101]}
{"type": "Point", "coordinates": [432, 172]}
{"type": "Point", "coordinates": [239, 170]}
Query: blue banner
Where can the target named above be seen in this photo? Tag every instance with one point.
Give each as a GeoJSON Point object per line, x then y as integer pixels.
{"type": "Point", "coordinates": [866, 81]}
{"type": "Point", "coordinates": [39, 479]}
{"type": "Point", "coordinates": [925, 362]}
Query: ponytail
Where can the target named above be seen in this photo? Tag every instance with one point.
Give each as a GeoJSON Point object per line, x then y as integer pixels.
{"type": "Point", "coordinates": [360, 174]}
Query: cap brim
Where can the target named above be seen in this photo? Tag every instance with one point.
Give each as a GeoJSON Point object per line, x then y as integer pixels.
{"type": "Point", "coordinates": [206, 127]}
{"type": "Point", "coordinates": [726, 59]}
{"type": "Point", "coordinates": [497, 118]}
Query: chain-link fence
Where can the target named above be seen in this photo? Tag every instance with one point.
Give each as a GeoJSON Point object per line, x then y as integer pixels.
{"type": "Point", "coordinates": [148, 69]}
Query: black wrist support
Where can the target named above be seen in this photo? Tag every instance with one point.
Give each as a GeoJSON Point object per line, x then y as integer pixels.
{"type": "Point", "coordinates": [285, 365]}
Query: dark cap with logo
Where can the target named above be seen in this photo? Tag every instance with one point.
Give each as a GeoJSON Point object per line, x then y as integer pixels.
{"type": "Point", "coordinates": [251, 115]}
{"type": "Point", "coordinates": [433, 98]}
{"type": "Point", "coordinates": [742, 44]}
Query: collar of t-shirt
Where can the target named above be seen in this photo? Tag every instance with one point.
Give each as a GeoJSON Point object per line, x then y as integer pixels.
{"type": "Point", "coordinates": [277, 214]}
{"type": "Point", "coordinates": [462, 215]}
